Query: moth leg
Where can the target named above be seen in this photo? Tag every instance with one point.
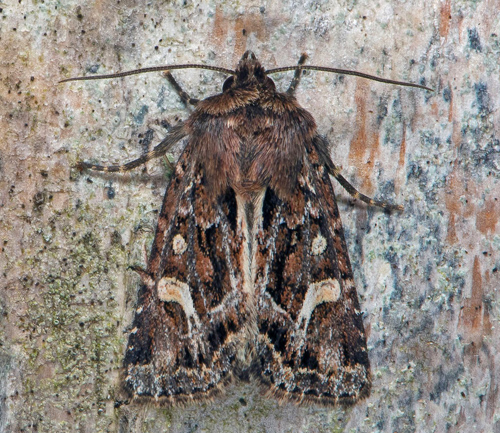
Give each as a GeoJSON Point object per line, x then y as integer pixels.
{"type": "Point", "coordinates": [185, 98]}
{"type": "Point", "coordinates": [176, 134]}
{"type": "Point", "coordinates": [296, 78]}
{"type": "Point", "coordinates": [335, 172]}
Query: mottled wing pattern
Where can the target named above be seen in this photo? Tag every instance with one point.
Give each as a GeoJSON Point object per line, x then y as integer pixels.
{"type": "Point", "coordinates": [192, 309]}
{"type": "Point", "coordinates": [311, 340]}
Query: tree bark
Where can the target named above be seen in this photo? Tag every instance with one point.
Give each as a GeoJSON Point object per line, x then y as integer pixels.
{"type": "Point", "coordinates": [427, 278]}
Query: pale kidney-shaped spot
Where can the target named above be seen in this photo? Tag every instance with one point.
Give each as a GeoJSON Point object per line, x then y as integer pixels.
{"type": "Point", "coordinates": [173, 290]}
{"type": "Point", "coordinates": [179, 245]}
{"type": "Point", "coordinates": [317, 293]}
{"type": "Point", "coordinates": [318, 245]}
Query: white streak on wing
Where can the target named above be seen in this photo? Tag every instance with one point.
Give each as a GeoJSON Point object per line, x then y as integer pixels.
{"type": "Point", "coordinates": [317, 293]}
{"type": "Point", "coordinates": [226, 241]}
{"type": "Point", "coordinates": [249, 239]}
{"type": "Point", "coordinates": [257, 225]}
{"type": "Point", "coordinates": [173, 290]}
{"type": "Point", "coordinates": [245, 256]}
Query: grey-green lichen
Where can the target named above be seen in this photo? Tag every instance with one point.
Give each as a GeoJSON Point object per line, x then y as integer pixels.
{"type": "Point", "coordinates": [71, 330]}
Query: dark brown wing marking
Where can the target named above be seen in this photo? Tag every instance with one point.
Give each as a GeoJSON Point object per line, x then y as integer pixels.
{"type": "Point", "coordinates": [192, 308]}
{"type": "Point", "coordinates": [311, 340]}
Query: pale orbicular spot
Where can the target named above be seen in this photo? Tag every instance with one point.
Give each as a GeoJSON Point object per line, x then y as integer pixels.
{"type": "Point", "coordinates": [179, 245]}
{"type": "Point", "coordinates": [318, 245]}
{"type": "Point", "coordinates": [317, 293]}
{"type": "Point", "coordinates": [173, 290]}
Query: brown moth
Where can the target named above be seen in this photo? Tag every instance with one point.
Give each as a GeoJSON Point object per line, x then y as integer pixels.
{"type": "Point", "coordinates": [249, 271]}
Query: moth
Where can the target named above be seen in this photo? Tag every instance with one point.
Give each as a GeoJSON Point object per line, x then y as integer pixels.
{"type": "Point", "coordinates": [249, 272]}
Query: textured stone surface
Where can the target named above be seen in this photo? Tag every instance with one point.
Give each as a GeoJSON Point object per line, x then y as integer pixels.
{"type": "Point", "coordinates": [428, 278]}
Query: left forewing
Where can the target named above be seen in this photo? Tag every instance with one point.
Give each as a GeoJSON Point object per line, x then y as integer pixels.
{"type": "Point", "coordinates": [192, 311]}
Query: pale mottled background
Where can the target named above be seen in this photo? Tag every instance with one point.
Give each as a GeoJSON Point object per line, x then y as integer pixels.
{"type": "Point", "coordinates": [427, 279]}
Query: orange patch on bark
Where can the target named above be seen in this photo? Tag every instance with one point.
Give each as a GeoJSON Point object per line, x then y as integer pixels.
{"type": "Point", "coordinates": [220, 28]}
{"type": "Point", "coordinates": [487, 218]}
{"type": "Point", "coordinates": [241, 26]}
{"type": "Point", "coordinates": [435, 109]}
{"type": "Point", "coordinates": [402, 150]}
{"type": "Point", "coordinates": [445, 18]}
{"type": "Point", "coordinates": [365, 140]}
{"type": "Point", "coordinates": [474, 319]}
{"type": "Point", "coordinates": [451, 236]}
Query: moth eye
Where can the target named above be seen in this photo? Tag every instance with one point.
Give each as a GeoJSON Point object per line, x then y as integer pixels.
{"type": "Point", "coordinates": [227, 84]}
{"type": "Point", "coordinates": [259, 74]}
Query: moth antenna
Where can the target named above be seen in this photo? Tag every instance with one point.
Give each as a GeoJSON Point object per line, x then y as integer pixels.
{"type": "Point", "coordinates": [151, 69]}
{"type": "Point", "coordinates": [346, 72]}
{"type": "Point", "coordinates": [335, 172]}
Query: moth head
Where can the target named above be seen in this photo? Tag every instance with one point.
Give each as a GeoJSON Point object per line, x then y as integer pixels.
{"type": "Point", "coordinates": [249, 72]}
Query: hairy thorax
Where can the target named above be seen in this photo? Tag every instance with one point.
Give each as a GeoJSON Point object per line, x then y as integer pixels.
{"type": "Point", "coordinates": [242, 139]}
